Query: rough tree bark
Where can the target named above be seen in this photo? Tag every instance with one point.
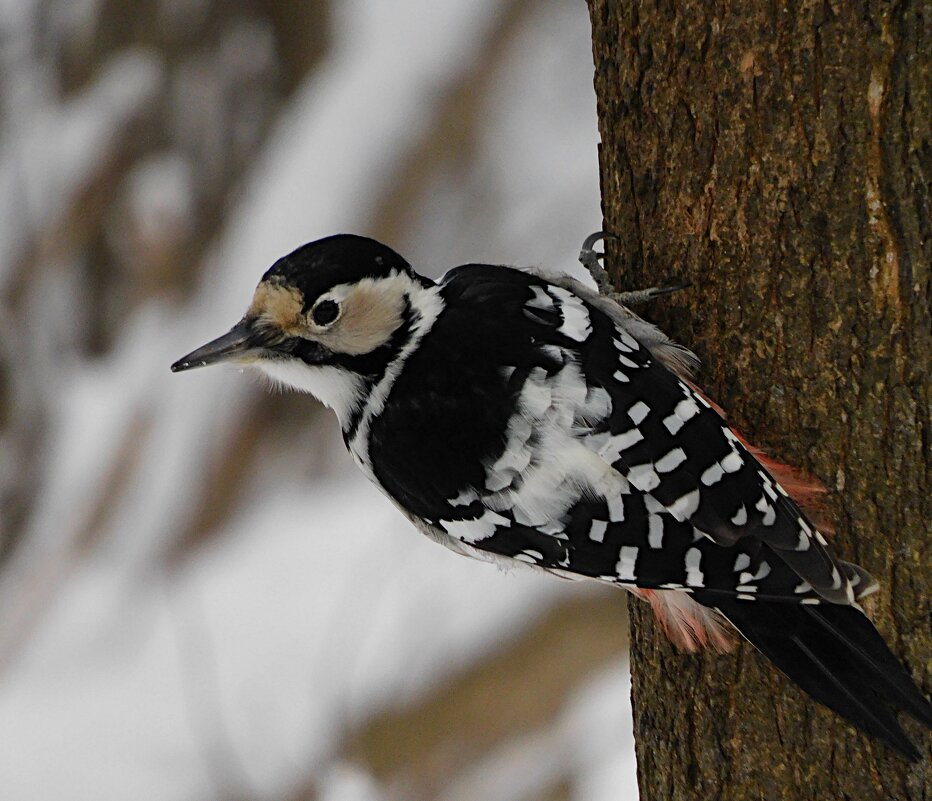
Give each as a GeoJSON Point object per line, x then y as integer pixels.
{"type": "Point", "coordinates": [777, 156]}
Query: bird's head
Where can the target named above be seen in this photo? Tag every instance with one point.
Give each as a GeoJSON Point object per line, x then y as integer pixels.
{"type": "Point", "coordinates": [325, 318]}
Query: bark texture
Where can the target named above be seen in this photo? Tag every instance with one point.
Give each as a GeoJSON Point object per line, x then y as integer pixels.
{"type": "Point", "coordinates": [778, 157]}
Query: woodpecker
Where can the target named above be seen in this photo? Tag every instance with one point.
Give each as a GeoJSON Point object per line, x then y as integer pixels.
{"type": "Point", "coordinates": [519, 418]}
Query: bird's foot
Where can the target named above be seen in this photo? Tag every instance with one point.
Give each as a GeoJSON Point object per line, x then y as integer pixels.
{"type": "Point", "coordinates": [591, 259]}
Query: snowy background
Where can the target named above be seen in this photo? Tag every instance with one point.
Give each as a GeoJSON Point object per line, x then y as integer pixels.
{"type": "Point", "coordinates": [199, 596]}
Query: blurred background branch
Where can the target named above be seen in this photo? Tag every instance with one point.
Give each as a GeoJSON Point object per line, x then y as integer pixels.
{"type": "Point", "coordinates": [198, 597]}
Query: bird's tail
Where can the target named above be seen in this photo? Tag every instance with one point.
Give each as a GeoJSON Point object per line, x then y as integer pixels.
{"type": "Point", "coordinates": [836, 655]}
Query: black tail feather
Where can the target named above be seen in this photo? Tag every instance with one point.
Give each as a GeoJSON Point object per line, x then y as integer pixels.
{"type": "Point", "coordinates": [836, 655]}
{"type": "Point", "coordinates": [897, 686]}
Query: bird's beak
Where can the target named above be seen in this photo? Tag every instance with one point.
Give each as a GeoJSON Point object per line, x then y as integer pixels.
{"type": "Point", "coordinates": [239, 341]}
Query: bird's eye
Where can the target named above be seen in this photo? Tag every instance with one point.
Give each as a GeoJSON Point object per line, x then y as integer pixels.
{"type": "Point", "coordinates": [325, 312]}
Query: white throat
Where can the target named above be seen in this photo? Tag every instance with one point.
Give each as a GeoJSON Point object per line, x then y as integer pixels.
{"type": "Point", "coordinates": [335, 387]}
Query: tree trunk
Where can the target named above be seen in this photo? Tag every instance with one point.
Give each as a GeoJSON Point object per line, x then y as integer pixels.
{"type": "Point", "coordinates": [778, 158]}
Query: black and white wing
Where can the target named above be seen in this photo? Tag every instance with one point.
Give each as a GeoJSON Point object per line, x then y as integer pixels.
{"type": "Point", "coordinates": [534, 424]}
{"type": "Point", "coordinates": [546, 432]}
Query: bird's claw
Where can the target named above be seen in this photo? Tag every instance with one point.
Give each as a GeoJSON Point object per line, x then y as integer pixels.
{"type": "Point", "coordinates": [638, 296]}
{"type": "Point", "coordinates": [591, 259]}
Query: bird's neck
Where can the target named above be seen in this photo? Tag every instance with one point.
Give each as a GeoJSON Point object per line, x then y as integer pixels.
{"type": "Point", "coordinates": [424, 307]}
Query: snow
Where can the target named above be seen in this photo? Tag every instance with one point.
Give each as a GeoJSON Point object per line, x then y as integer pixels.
{"type": "Point", "coordinates": [317, 605]}
{"type": "Point", "coordinates": [347, 782]}
{"type": "Point", "coordinates": [306, 570]}
{"type": "Point", "coordinates": [48, 152]}
{"type": "Point", "coordinates": [350, 121]}
{"type": "Point", "coordinates": [592, 742]}
{"type": "Point", "coordinates": [535, 168]}
{"type": "Point", "coordinates": [159, 199]}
